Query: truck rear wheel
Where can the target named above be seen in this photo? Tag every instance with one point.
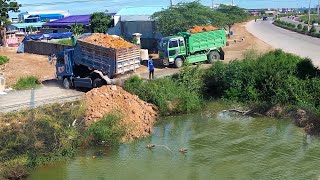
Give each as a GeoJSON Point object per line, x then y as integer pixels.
{"type": "Point", "coordinates": [213, 56]}
{"type": "Point", "coordinates": [67, 83]}
{"type": "Point", "coordinates": [178, 63]}
{"type": "Point", "coordinates": [97, 83]}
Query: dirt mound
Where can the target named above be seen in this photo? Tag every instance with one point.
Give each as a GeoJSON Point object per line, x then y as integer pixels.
{"type": "Point", "coordinates": [197, 29]}
{"type": "Point", "coordinates": [107, 41]}
{"type": "Point", "coordinates": [138, 115]}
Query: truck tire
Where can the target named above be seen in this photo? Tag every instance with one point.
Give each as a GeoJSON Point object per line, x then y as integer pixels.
{"type": "Point", "coordinates": [213, 56]}
{"type": "Point", "coordinates": [97, 83]}
{"type": "Point", "coordinates": [67, 83]}
{"type": "Point", "coordinates": [178, 63]}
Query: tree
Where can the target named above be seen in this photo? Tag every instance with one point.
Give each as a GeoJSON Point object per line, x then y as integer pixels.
{"type": "Point", "coordinates": [234, 14]}
{"type": "Point", "coordinates": [5, 7]}
{"type": "Point", "coordinates": [77, 29]}
{"type": "Point", "coordinates": [100, 22]}
{"type": "Point", "coordinates": [31, 29]}
{"type": "Point", "coordinates": [184, 16]}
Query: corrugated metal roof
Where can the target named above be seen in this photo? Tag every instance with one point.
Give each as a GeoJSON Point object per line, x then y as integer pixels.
{"type": "Point", "coordinates": [140, 10]}
{"type": "Point", "coordinates": [70, 20]}
{"type": "Point", "coordinates": [24, 25]}
{"type": "Point", "coordinates": [135, 18]}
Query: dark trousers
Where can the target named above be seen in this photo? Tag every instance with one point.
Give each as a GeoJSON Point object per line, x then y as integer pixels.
{"type": "Point", "coordinates": [151, 74]}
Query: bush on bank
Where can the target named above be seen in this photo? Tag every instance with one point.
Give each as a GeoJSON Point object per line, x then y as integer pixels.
{"type": "Point", "coordinates": [273, 78]}
{"type": "Point", "coordinates": [180, 94]}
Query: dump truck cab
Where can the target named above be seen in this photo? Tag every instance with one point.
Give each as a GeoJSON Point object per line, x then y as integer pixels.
{"type": "Point", "coordinates": [171, 48]}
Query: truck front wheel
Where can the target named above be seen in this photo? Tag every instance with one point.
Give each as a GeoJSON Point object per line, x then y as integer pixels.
{"type": "Point", "coordinates": [66, 83]}
{"type": "Point", "coordinates": [213, 56]}
{"type": "Point", "coordinates": [178, 63]}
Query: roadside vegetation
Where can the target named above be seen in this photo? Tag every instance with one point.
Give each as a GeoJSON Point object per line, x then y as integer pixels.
{"type": "Point", "coordinates": [4, 60]}
{"type": "Point", "coordinates": [65, 42]}
{"type": "Point", "coordinates": [303, 29]}
{"type": "Point", "coordinates": [313, 19]}
{"type": "Point", "coordinates": [54, 132]}
{"type": "Point", "coordinates": [179, 94]}
{"type": "Point", "coordinates": [27, 83]}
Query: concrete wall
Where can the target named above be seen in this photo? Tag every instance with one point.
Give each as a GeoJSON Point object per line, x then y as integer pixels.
{"type": "Point", "coordinates": [43, 48]}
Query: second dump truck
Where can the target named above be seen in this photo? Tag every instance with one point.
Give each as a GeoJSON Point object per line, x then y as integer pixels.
{"type": "Point", "coordinates": [193, 48]}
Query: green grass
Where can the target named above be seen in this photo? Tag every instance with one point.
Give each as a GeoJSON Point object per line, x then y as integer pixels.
{"type": "Point", "coordinates": [65, 42]}
{"type": "Point", "coordinates": [105, 131]}
{"type": "Point", "coordinates": [275, 78]}
{"type": "Point", "coordinates": [312, 18]}
{"type": "Point", "coordinates": [32, 138]}
{"type": "Point", "coordinates": [4, 60]}
{"type": "Point", "coordinates": [27, 83]}
{"type": "Point", "coordinates": [180, 94]}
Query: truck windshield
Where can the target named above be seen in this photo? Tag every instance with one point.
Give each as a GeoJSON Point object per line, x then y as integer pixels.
{"type": "Point", "coordinates": [163, 43]}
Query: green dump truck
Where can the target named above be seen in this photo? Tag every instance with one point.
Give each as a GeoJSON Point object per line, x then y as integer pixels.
{"type": "Point", "coordinates": [193, 48]}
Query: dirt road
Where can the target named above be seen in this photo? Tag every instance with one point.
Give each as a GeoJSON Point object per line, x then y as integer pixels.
{"type": "Point", "coordinates": [22, 65]}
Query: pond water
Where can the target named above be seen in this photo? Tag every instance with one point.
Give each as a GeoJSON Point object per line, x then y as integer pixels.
{"type": "Point", "coordinates": [223, 146]}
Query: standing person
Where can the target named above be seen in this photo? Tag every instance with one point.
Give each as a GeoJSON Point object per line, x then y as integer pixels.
{"type": "Point", "coordinates": [151, 67]}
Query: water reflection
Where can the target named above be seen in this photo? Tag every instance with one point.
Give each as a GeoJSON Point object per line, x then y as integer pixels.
{"type": "Point", "coordinates": [225, 146]}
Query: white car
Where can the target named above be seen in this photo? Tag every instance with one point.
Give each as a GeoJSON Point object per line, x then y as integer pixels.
{"type": "Point", "coordinates": [315, 24]}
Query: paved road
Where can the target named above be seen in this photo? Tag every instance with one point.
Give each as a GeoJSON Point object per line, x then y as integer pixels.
{"type": "Point", "coordinates": [17, 100]}
{"type": "Point", "coordinates": [53, 93]}
{"type": "Point", "coordinates": [289, 41]}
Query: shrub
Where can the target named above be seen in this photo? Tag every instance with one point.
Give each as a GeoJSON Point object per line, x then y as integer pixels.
{"type": "Point", "coordinates": [313, 29]}
{"type": "Point", "coordinates": [65, 42]}
{"type": "Point", "coordinates": [27, 83]}
{"type": "Point", "coordinates": [171, 95]}
{"type": "Point", "coordinates": [299, 26]}
{"type": "Point", "coordinates": [275, 77]}
{"type": "Point", "coordinates": [3, 60]}
{"type": "Point", "coordinates": [107, 130]}
{"type": "Point", "coordinates": [305, 29]}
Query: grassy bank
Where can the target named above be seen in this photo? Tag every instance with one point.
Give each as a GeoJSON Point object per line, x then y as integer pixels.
{"type": "Point", "coordinates": [54, 132]}
{"type": "Point", "coordinates": [259, 81]}
{"type": "Point", "coordinates": [179, 94]}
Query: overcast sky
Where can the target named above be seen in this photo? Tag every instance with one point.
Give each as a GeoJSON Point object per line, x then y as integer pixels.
{"type": "Point", "coordinates": [115, 5]}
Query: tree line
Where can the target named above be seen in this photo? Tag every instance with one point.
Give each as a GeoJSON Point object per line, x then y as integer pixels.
{"type": "Point", "coordinates": [184, 16]}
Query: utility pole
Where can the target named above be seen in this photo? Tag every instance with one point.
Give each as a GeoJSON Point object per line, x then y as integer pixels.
{"type": "Point", "coordinates": [213, 4]}
{"type": "Point", "coordinates": [232, 2]}
{"type": "Point", "coordinates": [171, 2]}
{"type": "Point", "coordinates": [318, 8]}
{"type": "Point", "coordinates": [309, 15]}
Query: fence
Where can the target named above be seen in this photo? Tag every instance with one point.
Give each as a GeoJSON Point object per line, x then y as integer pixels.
{"type": "Point", "coordinates": [43, 48]}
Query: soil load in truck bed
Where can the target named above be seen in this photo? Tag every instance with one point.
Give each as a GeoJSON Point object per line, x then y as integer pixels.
{"type": "Point", "coordinates": [197, 29]}
{"type": "Point", "coordinates": [108, 41]}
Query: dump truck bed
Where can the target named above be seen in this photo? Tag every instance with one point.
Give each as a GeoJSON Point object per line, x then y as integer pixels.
{"type": "Point", "coordinates": [110, 61]}
{"type": "Point", "coordinates": [206, 40]}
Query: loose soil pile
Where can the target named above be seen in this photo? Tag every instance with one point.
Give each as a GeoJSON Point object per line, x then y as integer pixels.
{"type": "Point", "coordinates": [138, 116]}
{"type": "Point", "coordinates": [107, 41]}
{"type": "Point", "coordinates": [197, 29]}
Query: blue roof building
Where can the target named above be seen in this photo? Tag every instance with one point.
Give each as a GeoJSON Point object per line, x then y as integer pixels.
{"type": "Point", "coordinates": [43, 17]}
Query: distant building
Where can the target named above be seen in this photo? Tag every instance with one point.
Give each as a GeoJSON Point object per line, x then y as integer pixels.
{"type": "Point", "coordinates": [137, 20]}
{"type": "Point", "coordinates": [25, 27]}
{"type": "Point", "coordinates": [65, 24]}
{"type": "Point", "coordinates": [42, 15]}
